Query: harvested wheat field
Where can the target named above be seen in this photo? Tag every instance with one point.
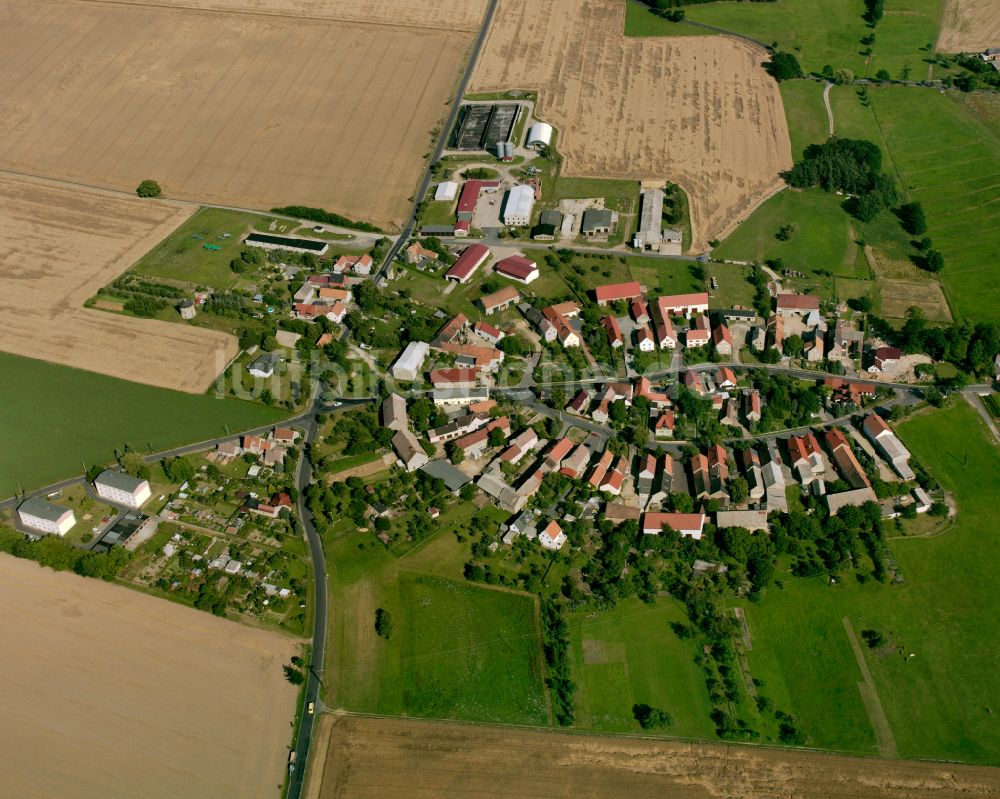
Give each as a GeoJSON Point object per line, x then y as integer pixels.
{"type": "Point", "coordinates": [969, 26]}
{"type": "Point", "coordinates": [697, 111]}
{"type": "Point", "coordinates": [460, 15]}
{"type": "Point", "coordinates": [249, 109]}
{"type": "Point", "coordinates": [395, 757]}
{"type": "Point", "coordinates": [62, 243]}
{"type": "Point", "coordinates": [109, 692]}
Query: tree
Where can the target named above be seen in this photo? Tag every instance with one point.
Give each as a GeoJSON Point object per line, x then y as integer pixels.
{"type": "Point", "coordinates": [911, 216]}
{"type": "Point", "coordinates": [455, 453]}
{"type": "Point", "coordinates": [651, 718]}
{"type": "Point", "coordinates": [794, 346]}
{"type": "Point", "coordinates": [179, 470]}
{"type": "Point", "coordinates": [738, 490]}
{"type": "Point", "coordinates": [843, 77]}
{"type": "Point", "coordinates": [149, 188]}
{"type": "Point", "coordinates": [933, 261]}
{"type": "Point", "coordinates": [883, 76]}
{"type": "Point", "coordinates": [495, 437]}
{"type": "Point", "coordinates": [783, 66]}
{"type": "Point", "coordinates": [293, 675]}
{"type": "Point", "coordinates": [383, 623]}
{"type": "Point", "coordinates": [134, 464]}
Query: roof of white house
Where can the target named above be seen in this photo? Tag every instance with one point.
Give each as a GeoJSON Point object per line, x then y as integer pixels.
{"type": "Point", "coordinates": [116, 479]}
{"type": "Point", "coordinates": [540, 133]}
{"type": "Point", "coordinates": [446, 191]}
{"type": "Point", "coordinates": [412, 358]}
{"type": "Point", "coordinates": [42, 509]}
{"type": "Point", "coordinates": [520, 201]}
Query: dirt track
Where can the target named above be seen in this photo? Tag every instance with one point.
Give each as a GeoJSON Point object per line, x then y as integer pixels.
{"type": "Point", "coordinates": [110, 693]}
{"type": "Point", "coordinates": [698, 111]}
{"type": "Point", "coordinates": [395, 757]}
{"type": "Point", "coordinates": [60, 244]}
{"type": "Point", "coordinates": [969, 26]}
{"type": "Point", "coordinates": [254, 110]}
{"type": "Point", "coordinates": [438, 14]}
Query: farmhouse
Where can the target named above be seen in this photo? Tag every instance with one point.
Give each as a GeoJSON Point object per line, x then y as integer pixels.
{"type": "Point", "coordinates": [45, 517]}
{"type": "Point", "coordinates": [722, 339]}
{"type": "Point", "coordinates": [456, 428]}
{"type": "Point", "coordinates": [518, 268]}
{"type": "Point", "coordinates": [574, 465]}
{"type": "Point", "coordinates": [518, 206]}
{"type": "Point", "coordinates": [455, 378]}
{"type": "Point", "coordinates": [683, 304]}
{"type": "Point", "coordinates": [617, 291]}
{"type": "Point", "coordinates": [644, 339]}
{"type": "Point", "coordinates": [444, 397]}
{"type": "Point", "coordinates": [847, 463]}
{"type": "Point", "coordinates": [493, 335]}
{"type": "Point", "coordinates": [698, 334]}
{"type": "Point", "coordinates": [488, 358]}
{"type": "Point", "coordinates": [649, 236]}
{"type": "Point", "coordinates": [467, 263]}
{"type": "Point", "coordinates": [416, 253]}
{"type": "Point", "coordinates": [122, 488]}
{"type": "Point", "coordinates": [359, 264]}
{"type": "Point", "coordinates": [883, 357]}
{"type": "Point", "coordinates": [687, 524]}
{"type": "Point", "coordinates": [796, 304]}
{"type": "Point", "coordinates": [394, 413]}
{"type": "Point", "coordinates": [409, 364]}
{"type": "Point", "coordinates": [499, 300]}
{"type": "Point", "coordinates": [264, 365]}
{"type": "Point", "coordinates": [411, 455]}
{"type": "Point", "coordinates": [453, 478]}
{"type": "Point", "coordinates": [614, 332]}
{"type": "Point", "coordinates": [599, 222]}
{"type": "Point", "coordinates": [552, 537]}
{"type": "Point", "coordinates": [451, 329]}
{"type": "Point", "coordinates": [266, 241]}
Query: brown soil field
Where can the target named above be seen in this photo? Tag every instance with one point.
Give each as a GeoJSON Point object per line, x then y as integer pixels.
{"type": "Point", "coordinates": [699, 111]}
{"type": "Point", "coordinates": [450, 14]}
{"type": "Point", "coordinates": [62, 243]}
{"type": "Point", "coordinates": [251, 110]}
{"type": "Point", "coordinates": [395, 757]}
{"type": "Point", "coordinates": [109, 692]}
{"type": "Point", "coordinates": [898, 296]}
{"type": "Point", "coordinates": [969, 26]}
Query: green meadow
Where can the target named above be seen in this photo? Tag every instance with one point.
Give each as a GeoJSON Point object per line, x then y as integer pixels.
{"type": "Point", "coordinates": [57, 419]}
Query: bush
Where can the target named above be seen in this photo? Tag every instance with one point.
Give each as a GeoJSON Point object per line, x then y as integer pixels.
{"type": "Point", "coordinates": [149, 188]}
{"type": "Point", "coordinates": [911, 216]}
{"type": "Point", "coordinates": [383, 623]}
{"type": "Point", "coordinates": [651, 718]}
{"type": "Point", "coordinates": [783, 66]}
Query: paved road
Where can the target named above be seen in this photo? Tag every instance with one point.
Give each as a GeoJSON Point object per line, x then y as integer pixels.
{"type": "Point", "coordinates": [449, 123]}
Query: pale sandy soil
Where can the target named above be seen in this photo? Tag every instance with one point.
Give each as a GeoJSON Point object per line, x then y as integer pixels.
{"type": "Point", "coordinates": [697, 111]}
{"type": "Point", "coordinates": [969, 26]}
{"type": "Point", "coordinates": [251, 110]}
{"type": "Point", "coordinates": [60, 244]}
{"type": "Point", "coordinates": [437, 14]}
{"type": "Point", "coordinates": [107, 692]}
{"type": "Point", "coordinates": [395, 757]}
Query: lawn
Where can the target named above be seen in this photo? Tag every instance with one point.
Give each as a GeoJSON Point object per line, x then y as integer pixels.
{"type": "Point", "coordinates": [639, 21]}
{"type": "Point", "coordinates": [457, 650]}
{"type": "Point", "coordinates": [805, 112]}
{"type": "Point", "coordinates": [630, 655]}
{"type": "Point", "coordinates": [83, 417]}
{"type": "Point", "coordinates": [935, 701]}
{"type": "Point", "coordinates": [950, 162]}
{"type": "Point", "coordinates": [182, 255]}
{"type": "Point", "coordinates": [821, 235]}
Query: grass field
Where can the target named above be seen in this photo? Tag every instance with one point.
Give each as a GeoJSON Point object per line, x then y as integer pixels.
{"type": "Point", "coordinates": [182, 255]}
{"type": "Point", "coordinates": [935, 701]}
{"type": "Point", "coordinates": [55, 418]}
{"type": "Point", "coordinates": [821, 236]}
{"type": "Point", "coordinates": [822, 32]}
{"type": "Point", "coordinates": [630, 655]}
{"type": "Point", "coordinates": [806, 114]}
{"type": "Point", "coordinates": [457, 650]}
{"type": "Point", "coordinates": [640, 22]}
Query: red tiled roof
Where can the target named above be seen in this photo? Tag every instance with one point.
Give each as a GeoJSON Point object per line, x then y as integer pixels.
{"type": "Point", "coordinates": [611, 325]}
{"type": "Point", "coordinates": [617, 291]}
{"type": "Point", "coordinates": [682, 522]}
{"type": "Point", "coordinates": [682, 300]}
{"type": "Point", "coordinates": [516, 266]}
{"type": "Point", "coordinates": [468, 261]}
{"type": "Point", "coordinates": [469, 197]}
{"type": "Point", "coordinates": [798, 302]}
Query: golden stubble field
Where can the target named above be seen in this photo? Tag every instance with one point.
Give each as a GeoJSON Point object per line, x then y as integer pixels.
{"type": "Point", "coordinates": [222, 106]}
{"type": "Point", "coordinates": [60, 244]}
{"type": "Point", "coordinates": [698, 111]}
{"type": "Point", "coordinates": [373, 758]}
{"type": "Point", "coordinates": [108, 692]}
{"type": "Point", "coordinates": [969, 26]}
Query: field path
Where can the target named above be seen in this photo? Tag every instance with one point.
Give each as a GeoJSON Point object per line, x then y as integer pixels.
{"type": "Point", "coordinates": [826, 102]}
{"type": "Point", "coordinates": [977, 403]}
{"type": "Point", "coordinates": [884, 738]}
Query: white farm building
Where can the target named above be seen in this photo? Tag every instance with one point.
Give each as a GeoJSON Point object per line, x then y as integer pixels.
{"type": "Point", "coordinates": [37, 514]}
{"type": "Point", "coordinates": [122, 488]}
{"type": "Point", "coordinates": [410, 363]}
{"type": "Point", "coordinates": [446, 191]}
{"type": "Point", "coordinates": [539, 135]}
{"type": "Point", "coordinates": [520, 203]}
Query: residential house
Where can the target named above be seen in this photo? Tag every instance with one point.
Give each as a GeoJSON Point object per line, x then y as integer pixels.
{"type": "Point", "coordinates": [451, 330]}
{"type": "Point", "coordinates": [563, 331]}
{"type": "Point", "coordinates": [687, 524]}
{"type": "Point", "coordinates": [264, 365]}
{"type": "Point", "coordinates": [692, 382]}
{"type": "Point", "coordinates": [845, 460]}
{"type": "Point", "coordinates": [554, 457]}
{"type": "Point", "coordinates": [358, 264]}
{"type": "Point", "coordinates": [474, 444]}
{"type": "Point", "coordinates": [750, 463]}
{"type": "Point", "coordinates": [882, 358]}
{"type": "Point", "coordinates": [663, 427]}
{"type": "Point", "coordinates": [617, 513]}
{"type": "Point", "coordinates": [647, 474]}
{"type": "Point", "coordinates": [416, 253]}
{"type": "Point", "coordinates": [455, 378]}
{"type": "Point", "coordinates": [644, 339]}
{"type": "Point", "coordinates": [122, 489]}
{"type": "Point", "coordinates": [614, 332]}
{"type": "Point", "coordinates": [753, 404]}
{"type": "Point", "coordinates": [488, 332]}
{"type": "Point", "coordinates": [580, 402]}
{"type": "Point", "coordinates": [455, 428]}
{"type": "Point", "coordinates": [701, 484]}
{"type": "Point", "coordinates": [552, 537]}
{"type": "Point", "coordinates": [846, 341]}
{"type": "Point", "coordinates": [256, 445]}
{"type": "Point", "coordinates": [411, 455]}
{"type": "Point", "coordinates": [725, 377]}
{"type": "Point", "coordinates": [644, 389]}
{"type": "Point", "coordinates": [573, 465]}
{"type": "Point", "coordinates": [718, 469]}
{"type": "Point", "coordinates": [487, 358]}
{"type": "Point", "coordinates": [46, 517]}
{"type": "Point", "coordinates": [600, 469]}
{"type": "Point", "coordinates": [698, 334]}
{"type": "Point", "coordinates": [640, 313]}
{"type": "Point", "coordinates": [722, 339]}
